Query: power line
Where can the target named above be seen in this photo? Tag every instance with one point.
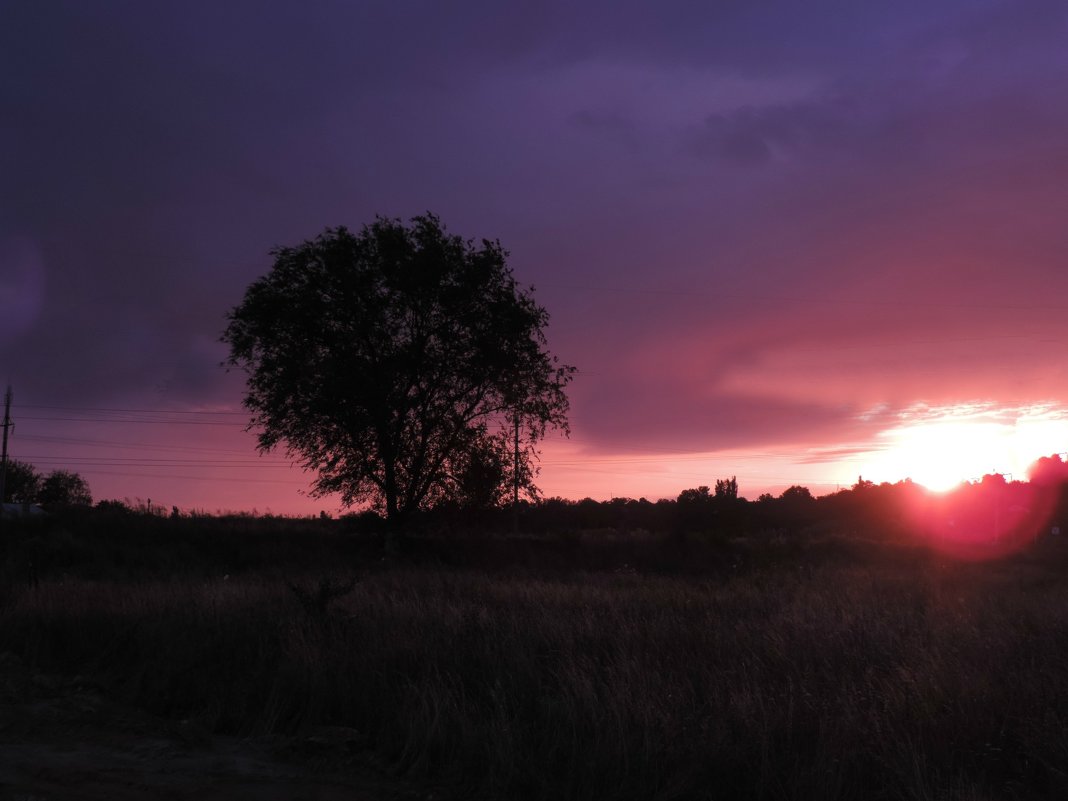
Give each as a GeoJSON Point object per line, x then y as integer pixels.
{"type": "Point", "coordinates": [131, 410]}
{"type": "Point", "coordinates": [668, 457]}
{"type": "Point", "coordinates": [801, 299]}
{"type": "Point", "coordinates": [148, 462]}
{"type": "Point", "coordinates": [119, 445]}
{"type": "Point", "coordinates": [110, 421]}
{"type": "Point", "coordinates": [3, 455]}
{"type": "Point", "coordinates": [213, 479]}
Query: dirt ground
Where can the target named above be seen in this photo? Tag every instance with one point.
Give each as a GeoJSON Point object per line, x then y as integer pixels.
{"type": "Point", "coordinates": [64, 739]}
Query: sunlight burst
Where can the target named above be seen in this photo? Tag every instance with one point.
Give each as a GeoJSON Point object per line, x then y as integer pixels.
{"type": "Point", "coordinates": [942, 447]}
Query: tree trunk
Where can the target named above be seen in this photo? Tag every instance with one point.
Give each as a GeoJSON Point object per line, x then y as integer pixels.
{"type": "Point", "coordinates": [393, 513]}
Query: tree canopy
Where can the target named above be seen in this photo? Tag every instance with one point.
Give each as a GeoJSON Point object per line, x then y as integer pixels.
{"type": "Point", "coordinates": [64, 488]}
{"type": "Point", "coordinates": [390, 361]}
{"type": "Point", "coordinates": [24, 484]}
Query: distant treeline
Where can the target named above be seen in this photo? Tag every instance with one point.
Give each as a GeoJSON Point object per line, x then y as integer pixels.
{"type": "Point", "coordinates": [991, 513]}
{"type": "Point", "coordinates": [985, 512]}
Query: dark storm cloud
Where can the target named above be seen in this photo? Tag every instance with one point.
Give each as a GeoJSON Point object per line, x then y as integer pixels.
{"type": "Point", "coordinates": [143, 164]}
{"type": "Point", "coordinates": [752, 137]}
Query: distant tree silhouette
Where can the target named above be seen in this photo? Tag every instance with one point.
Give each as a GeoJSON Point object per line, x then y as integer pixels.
{"type": "Point", "coordinates": [797, 494]}
{"type": "Point", "coordinates": [22, 483]}
{"type": "Point", "coordinates": [993, 480]}
{"type": "Point", "coordinates": [113, 507]}
{"type": "Point", "coordinates": [1049, 470]}
{"type": "Point", "coordinates": [384, 360]}
{"type": "Point", "coordinates": [64, 488]}
{"type": "Point", "coordinates": [694, 497]}
{"type": "Point", "coordinates": [727, 488]}
{"type": "Point", "coordinates": [480, 474]}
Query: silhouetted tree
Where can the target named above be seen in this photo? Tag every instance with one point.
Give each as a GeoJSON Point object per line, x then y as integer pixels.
{"type": "Point", "coordinates": [1049, 470]}
{"type": "Point", "coordinates": [727, 488]}
{"type": "Point", "coordinates": [863, 484]}
{"type": "Point", "coordinates": [64, 488]}
{"type": "Point", "coordinates": [22, 483]}
{"type": "Point", "coordinates": [995, 480]}
{"type": "Point", "coordinates": [694, 497]}
{"type": "Point", "coordinates": [794, 508]}
{"type": "Point", "coordinates": [797, 494]}
{"type": "Point", "coordinates": [383, 360]}
{"type": "Point", "coordinates": [481, 473]}
{"type": "Point", "coordinates": [693, 508]}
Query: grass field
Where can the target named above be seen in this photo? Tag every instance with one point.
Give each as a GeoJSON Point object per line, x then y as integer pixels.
{"type": "Point", "coordinates": [585, 667]}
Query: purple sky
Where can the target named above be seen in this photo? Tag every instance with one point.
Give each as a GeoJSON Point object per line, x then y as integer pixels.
{"type": "Point", "coordinates": [768, 233]}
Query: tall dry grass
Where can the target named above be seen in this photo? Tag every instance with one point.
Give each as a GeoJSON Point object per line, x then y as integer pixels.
{"type": "Point", "coordinates": [890, 675]}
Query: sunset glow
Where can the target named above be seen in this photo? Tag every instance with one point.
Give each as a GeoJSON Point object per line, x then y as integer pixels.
{"type": "Point", "coordinates": [940, 448]}
{"type": "Point", "coordinates": [775, 248]}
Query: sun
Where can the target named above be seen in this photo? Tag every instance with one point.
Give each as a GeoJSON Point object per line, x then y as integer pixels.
{"type": "Point", "coordinates": [941, 448]}
{"type": "Point", "coordinates": [942, 455]}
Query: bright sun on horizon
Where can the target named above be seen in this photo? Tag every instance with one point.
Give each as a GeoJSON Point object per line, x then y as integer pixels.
{"type": "Point", "coordinates": [942, 448]}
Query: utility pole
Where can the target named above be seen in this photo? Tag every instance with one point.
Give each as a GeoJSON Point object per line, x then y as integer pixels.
{"type": "Point", "coordinates": [3, 455]}
{"type": "Point", "coordinates": [515, 479]}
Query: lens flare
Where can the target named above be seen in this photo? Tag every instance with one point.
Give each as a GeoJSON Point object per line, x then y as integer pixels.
{"type": "Point", "coordinates": [973, 460]}
{"type": "Point", "coordinates": [983, 520]}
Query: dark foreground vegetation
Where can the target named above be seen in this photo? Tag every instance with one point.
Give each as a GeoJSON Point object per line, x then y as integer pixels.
{"type": "Point", "coordinates": [582, 664]}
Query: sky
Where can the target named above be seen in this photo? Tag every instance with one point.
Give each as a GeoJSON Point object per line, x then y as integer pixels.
{"type": "Point", "coordinates": [792, 242]}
